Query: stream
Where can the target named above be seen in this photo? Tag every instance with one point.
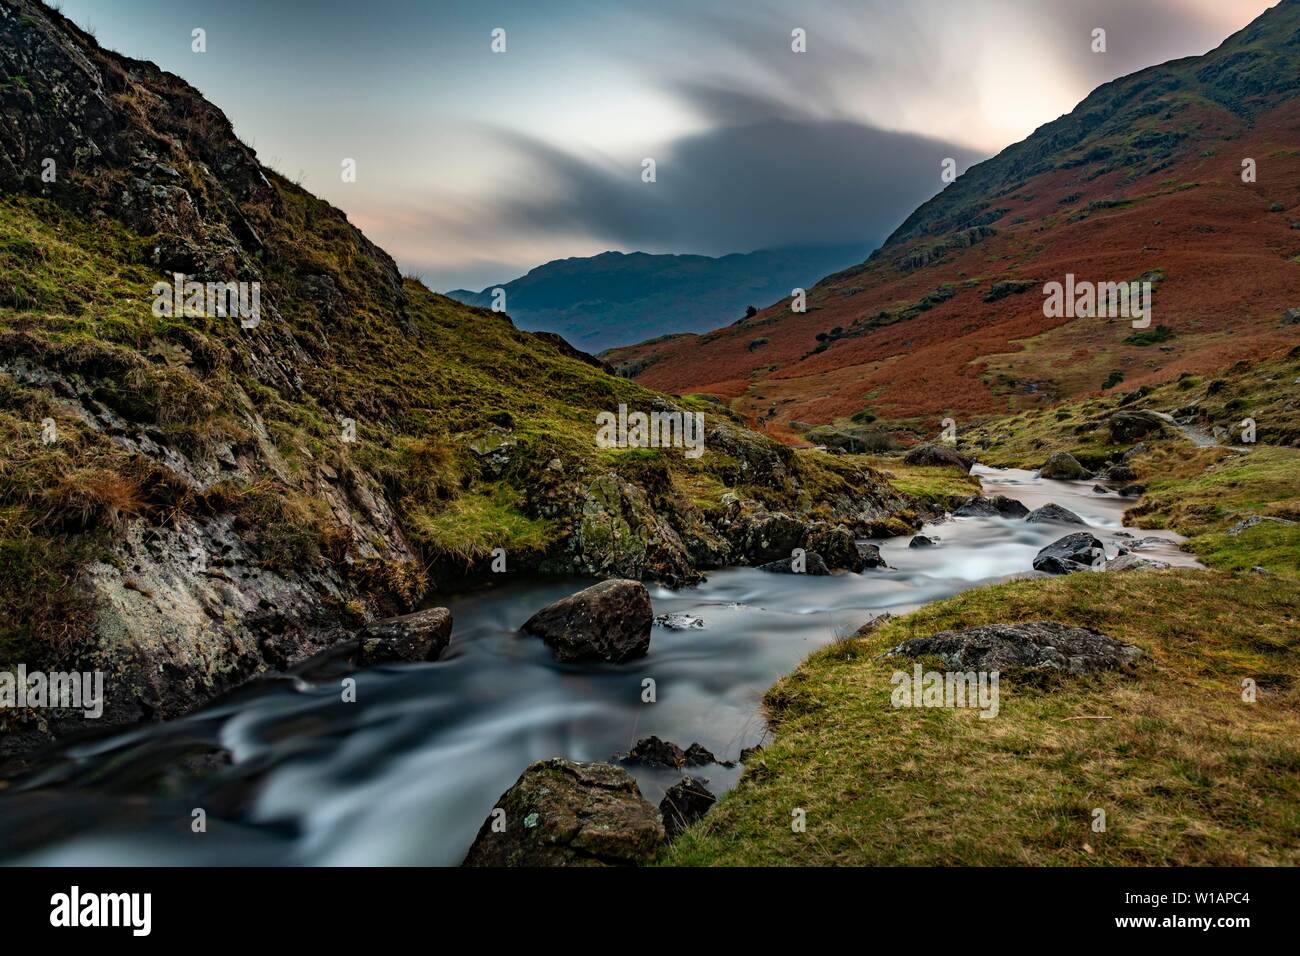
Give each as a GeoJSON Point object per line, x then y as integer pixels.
{"type": "Point", "coordinates": [408, 773]}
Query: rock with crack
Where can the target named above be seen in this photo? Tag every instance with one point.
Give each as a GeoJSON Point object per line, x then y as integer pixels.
{"type": "Point", "coordinates": [999, 506]}
{"type": "Point", "coordinates": [1030, 646]}
{"type": "Point", "coordinates": [608, 621]}
{"type": "Point", "coordinates": [683, 804]}
{"type": "Point", "coordinates": [1075, 552]}
{"type": "Point", "coordinates": [564, 813]}
{"type": "Point", "coordinates": [421, 636]}
{"type": "Point", "coordinates": [1053, 512]}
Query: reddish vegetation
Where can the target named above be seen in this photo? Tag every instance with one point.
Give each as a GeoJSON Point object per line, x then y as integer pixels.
{"type": "Point", "coordinates": [1231, 269]}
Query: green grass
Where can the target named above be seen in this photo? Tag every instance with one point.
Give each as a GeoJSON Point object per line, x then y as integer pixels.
{"type": "Point", "coordinates": [943, 487]}
{"type": "Point", "coordinates": [1185, 771]}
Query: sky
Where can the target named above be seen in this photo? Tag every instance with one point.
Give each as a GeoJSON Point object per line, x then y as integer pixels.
{"type": "Point", "coordinates": [473, 166]}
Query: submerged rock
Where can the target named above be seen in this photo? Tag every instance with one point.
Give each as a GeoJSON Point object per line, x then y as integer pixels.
{"type": "Point", "coordinates": [678, 621]}
{"type": "Point", "coordinates": [938, 455]}
{"type": "Point", "coordinates": [999, 506]}
{"type": "Point", "coordinates": [1063, 466]}
{"type": "Point", "coordinates": [610, 621]}
{"type": "Point", "coordinates": [683, 804]}
{"type": "Point", "coordinates": [564, 813]}
{"type": "Point", "coordinates": [1074, 552]}
{"type": "Point", "coordinates": [1054, 512]}
{"type": "Point", "coordinates": [812, 564]}
{"type": "Point", "coordinates": [1031, 646]}
{"type": "Point", "coordinates": [421, 636]}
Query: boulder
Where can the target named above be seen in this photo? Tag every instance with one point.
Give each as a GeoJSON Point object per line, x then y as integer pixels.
{"type": "Point", "coordinates": [938, 456]}
{"type": "Point", "coordinates": [610, 621]}
{"type": "Point", "coordinates": [1031, 646]}
{"type": "Point", "coordinates": [1131, 562]}
{"type": "Point", "coordinates": [1133, 491]}
{"type": "Point", "coordinates": [871, 626]}
{"type": "Point", "coordinates": [1120, 472]}
{"type": "Point", "coordinates": [1053, 512]}
{"type": "Point", "coordinates": [564, 813]}
{"type": "Point", "coordinates": [999, 506]}
{"type": "Point", "coordinates": [1074, 552]}
{"type": "Point", "coordinates": [421, 636]}
{"type": "Point", "coordinates": [836, 544]}
{"type": "Point", "coordinates": [1132, 425]}
{"type": "Point", "coordinates": [922, 541]}
{"type": "Point", "coordinates": [683, 804]}
{"type": "Point", "coordinates": [1291, 317]}
{"type": "Point", "coordinates": [871, 557]}
{"type": "Point", "coordinates": [812, 564]}
{"type": "Point", "coordinates": [769, 536]}
{"type": "Point", "coordinates": [1063, 466]}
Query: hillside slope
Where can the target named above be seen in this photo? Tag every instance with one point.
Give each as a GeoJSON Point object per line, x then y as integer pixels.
{"type": "Point", "coordinates": [1143, 178]}
{"type": "Point", "coordinates": [189, 499]}
{"type": "Point", "coordinates": [612, 299]}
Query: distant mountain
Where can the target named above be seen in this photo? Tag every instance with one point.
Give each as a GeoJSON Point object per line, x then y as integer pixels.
{"type": "Point", "coordinates": [1144, 178]}
{"type": "Point", "coordinates": [618, 298]}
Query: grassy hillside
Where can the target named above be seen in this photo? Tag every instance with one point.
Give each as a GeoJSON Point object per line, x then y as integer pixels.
{"type": "Point", "coordinates": [1186, 772]}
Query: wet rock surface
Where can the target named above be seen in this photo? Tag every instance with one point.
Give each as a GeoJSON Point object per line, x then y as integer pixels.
{"type": "Point", "coordinates": [1075, 552]}
{"type": "Point", "coordinates": [421, 636]}
{"type": "Point", "coordinates": [608, 621]}
{"type": "Point", "coordinates": [684, 803]}
{"type": "Point", "coordinates": [1054, 512]}
{"type": "Point", "coordinates": [564, 813]}
{"type": "Point", "coordinates": [1032, 646]}
{"type": "Point", "coordinates": [999, 506]}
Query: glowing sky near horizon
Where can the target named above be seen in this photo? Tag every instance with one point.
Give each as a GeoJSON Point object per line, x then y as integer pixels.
{"type": "Point", "coordinates": [474, 167]}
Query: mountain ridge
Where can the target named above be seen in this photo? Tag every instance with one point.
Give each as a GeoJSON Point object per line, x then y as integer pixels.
{"type": "Point", "coordinates": [936, 322]}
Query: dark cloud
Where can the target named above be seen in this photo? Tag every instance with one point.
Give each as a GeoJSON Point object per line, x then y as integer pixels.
{"type": "Point", "coordinates": [771, 179]}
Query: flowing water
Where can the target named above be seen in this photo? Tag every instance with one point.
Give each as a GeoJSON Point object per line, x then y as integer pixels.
{"type": "Point", "coordinates": [408, 773]}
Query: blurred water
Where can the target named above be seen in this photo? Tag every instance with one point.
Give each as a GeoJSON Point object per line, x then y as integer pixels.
{"type": "Point", "coordinates": [407, 773]}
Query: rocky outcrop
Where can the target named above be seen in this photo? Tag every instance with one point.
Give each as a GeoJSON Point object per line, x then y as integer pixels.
{"type": "Point", "coordinates": [1032, 646]}
{"type": "Point", "coordinates": [1129, 426]}
{"type": "Point", "coordinates": [653, 752]}
{"type": "Point", "coordinates": [938, 456]}
{"type": "Point", "coordinates": [608, 621]}
{"type": "Point", "coordinates": [1075, 552]}
{"type": "Point", "coordinates": [1053, 513]}
{"type": "Point", "coordinates": [421, 636]}
{"type": "Point", "coordinates": [999, 506]}
{"type": "Point", "coordinates": [1063, 466]}
{"type": "Point", "coordinates": [683, 804]}
{"type": "Point", "coordinates": [563, 813]}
